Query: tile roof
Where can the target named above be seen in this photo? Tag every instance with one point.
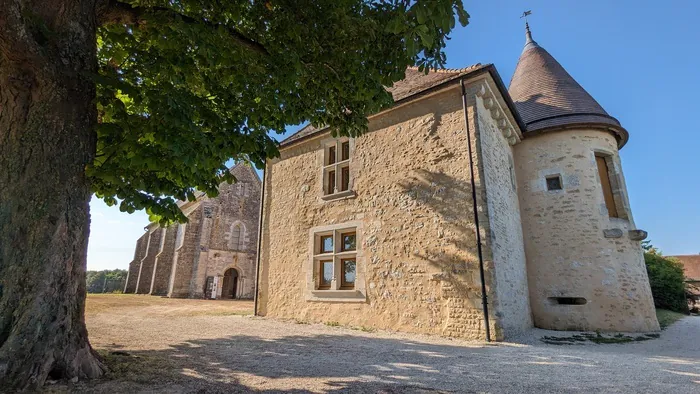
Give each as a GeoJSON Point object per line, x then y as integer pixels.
{"type": "Point", "coordinates": [414, 83]}
{"type": "Point", "coordinates": [547, 96]}
{"type": "Point", "coordinates": [691, 266]}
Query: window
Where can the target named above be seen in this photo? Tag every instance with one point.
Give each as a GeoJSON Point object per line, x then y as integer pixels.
{"type": "Point", "coordinates": [236, 240]}
{"type": "Point", "coordinates": [554, 182]}
{"type": "Point", "coordinates": [336, 259]}
{"type": "Point", "coordinates": [605, 177]}
{"type": "Point", "coordinates": [336, 168]}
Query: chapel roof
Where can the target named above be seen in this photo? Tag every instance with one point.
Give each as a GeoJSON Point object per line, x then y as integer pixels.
{"type": "Point", "coordinates": [414, 83]}
{"type": "Point", "coordinates": [547, 97]}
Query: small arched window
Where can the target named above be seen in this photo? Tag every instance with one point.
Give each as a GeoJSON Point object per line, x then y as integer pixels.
{"type": "Point", "coordinates": [237, 236]}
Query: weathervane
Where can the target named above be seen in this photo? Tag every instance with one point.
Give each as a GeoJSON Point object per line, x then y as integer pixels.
{"type": "Point", "coordinates": [525, 14]}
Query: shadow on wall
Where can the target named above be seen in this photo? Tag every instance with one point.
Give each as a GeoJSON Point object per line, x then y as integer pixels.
{"type": "Point", "coordinates": [365, 363]}
{"type": "Point", "coordinates": [454, 253]}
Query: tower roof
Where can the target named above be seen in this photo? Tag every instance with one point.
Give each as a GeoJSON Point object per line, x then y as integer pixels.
{"type": "Point", "coordinates": [548, 98]}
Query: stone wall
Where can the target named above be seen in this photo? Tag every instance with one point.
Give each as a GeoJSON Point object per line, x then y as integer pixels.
{"type": "Point", "coordinates": [567, 251]}
{"type": "Point", "coordinates": [184, 255]}
{"type": "Point", "coordinates": [135, 265]}
{"type": "Point", "coordinates": [418, 254]}
{"type": "Point", "coordinates": [504, 249]}
{"type": "Point", "coordinates": [237, 204]}
{"type": "Point", "coordinates": [164, 262]}
{"type": "Point", "coordinates": [146, 275]}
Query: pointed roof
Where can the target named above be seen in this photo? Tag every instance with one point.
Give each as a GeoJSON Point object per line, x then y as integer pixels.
{"type": "Point", "coordinates": [548, 98]}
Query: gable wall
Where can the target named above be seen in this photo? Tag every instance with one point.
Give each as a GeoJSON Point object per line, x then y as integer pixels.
{"type": "Point", "coordinates": [505, 251]}
{"type": "Point", "coordinates": [417, 236]}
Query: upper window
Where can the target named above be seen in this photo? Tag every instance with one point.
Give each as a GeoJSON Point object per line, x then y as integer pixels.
{"type": "Point", "coordinates": [335, 259]}
{"type": "Point", "coordinates": [237, 236]}
{"type": "Point", "coordinates": [611, 192]}
{"type": "Point", "coordinates": [336, 168]}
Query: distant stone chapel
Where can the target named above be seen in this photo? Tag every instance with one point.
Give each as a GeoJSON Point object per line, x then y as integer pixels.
{"type": "Point", "coordinates": [213, 255]}
{"type": "Point", "coordinates": [462, 189]}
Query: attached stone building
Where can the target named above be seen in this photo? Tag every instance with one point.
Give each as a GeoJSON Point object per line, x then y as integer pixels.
{"type": "Point", "coordinates": [461, 189]}
{"type": "Point", "coordinates": [213, 255]}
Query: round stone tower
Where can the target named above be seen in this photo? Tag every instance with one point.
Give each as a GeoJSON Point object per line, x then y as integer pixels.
{"type": "Point", "coordinates": [584, 260]}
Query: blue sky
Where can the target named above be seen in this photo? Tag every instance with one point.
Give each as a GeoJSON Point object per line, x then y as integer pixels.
{"type": "Point", "coordinates": [639, 59]}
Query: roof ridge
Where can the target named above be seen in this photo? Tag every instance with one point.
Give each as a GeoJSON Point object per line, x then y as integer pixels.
{"type": "Point", "coordinates": [448, 70]}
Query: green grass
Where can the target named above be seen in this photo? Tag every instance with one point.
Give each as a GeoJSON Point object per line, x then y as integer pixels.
{"type": "Point", "coordinates": [666, 317]}
{"type": "Point", "coordinates": [597, 338]}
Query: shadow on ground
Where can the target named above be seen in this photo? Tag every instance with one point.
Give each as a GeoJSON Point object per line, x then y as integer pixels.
{"type": "Point", "coordinates": [367, 363]}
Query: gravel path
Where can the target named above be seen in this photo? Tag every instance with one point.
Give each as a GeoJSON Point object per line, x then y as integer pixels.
{"type": "Point", "coordinates": [192, 353]}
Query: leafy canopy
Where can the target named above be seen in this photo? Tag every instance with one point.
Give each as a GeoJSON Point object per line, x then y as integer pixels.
{"type": "Point", "coordinates": [186, 85]}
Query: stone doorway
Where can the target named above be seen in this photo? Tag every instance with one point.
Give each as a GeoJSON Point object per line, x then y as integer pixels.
{"type": "Point", "coordinates": [230, 285]}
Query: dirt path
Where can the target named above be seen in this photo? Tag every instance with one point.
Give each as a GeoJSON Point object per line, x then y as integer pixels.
{"type": "Point", "coordinates": [190, 346]}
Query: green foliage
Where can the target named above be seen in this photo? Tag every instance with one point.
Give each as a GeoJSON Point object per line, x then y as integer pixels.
{"type": "Point", "coordinates": [186, 85]}
{"type": "Point", "coordinates": [667, 281]}
{"type": "Point", "coordinates": [106, 281]}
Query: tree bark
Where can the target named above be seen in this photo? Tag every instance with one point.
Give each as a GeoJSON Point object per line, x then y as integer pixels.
{"type": "Point", "coordinates": [47, 137]}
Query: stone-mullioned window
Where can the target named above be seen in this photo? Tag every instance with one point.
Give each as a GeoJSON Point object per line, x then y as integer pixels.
{"type": "Point", "coordinates": [335, 270]}
{"type": "Point", "coordinates": [336, 175]}
{"type": "Point", "coordinates": [335, 259]}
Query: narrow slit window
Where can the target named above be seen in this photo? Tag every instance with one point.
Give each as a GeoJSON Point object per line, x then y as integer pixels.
{"type": "Point", "coordinates": [554, 182]}
{"type": "Point", "coordinates": [604, 173]}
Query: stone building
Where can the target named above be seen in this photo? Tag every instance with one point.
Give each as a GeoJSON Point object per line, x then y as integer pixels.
{"type": "Point", "coordinates": [213, 255]}
{"type": "Point", "coordinates": [462, 192]}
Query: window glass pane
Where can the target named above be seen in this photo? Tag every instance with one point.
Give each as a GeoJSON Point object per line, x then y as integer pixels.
{"type": "Point", "coordinates": [345, 150]}
{"type": "Point", "coordinates": [345, 178]}
{"type": "Point", "coordinates": [348, 279]}
{"type": "Point", "coordinates": [326, 274]}
{"type": "Point", "coordinates": [331, 182]}
{"type": "Point", "coordinates": [331, 155]}
{"type": "Point", "coordinates": [326, 244]}
{"type": "Point", "coordinates": [348, 242]}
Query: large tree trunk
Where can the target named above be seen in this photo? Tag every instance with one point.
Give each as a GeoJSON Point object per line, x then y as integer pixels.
{"type": "Point", "coordinates": [47, 137]}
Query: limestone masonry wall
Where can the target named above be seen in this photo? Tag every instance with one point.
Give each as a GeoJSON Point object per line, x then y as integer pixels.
{"type": "Point", "coordinates": [184, 256]}
{"type": "Point", "coordinates": [135, 265]}
{"type": "Point", "coordinates": [416, 238]}
{"type": "Point", "coordinates": [567, 251]}
{"type": "Point", "coordinates": [164, 262]}
{"type": "Point", "coordinates": [146, 274]}
{"type": "Point", "coordinates": [504, 228]}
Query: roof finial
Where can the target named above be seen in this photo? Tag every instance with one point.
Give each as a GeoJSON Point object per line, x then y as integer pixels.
{"type": "Point", "coordinates": [529, 42]}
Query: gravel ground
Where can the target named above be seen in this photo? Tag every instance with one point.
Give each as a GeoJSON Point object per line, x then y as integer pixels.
{"type": "Point", "coordinates": [184, 350]}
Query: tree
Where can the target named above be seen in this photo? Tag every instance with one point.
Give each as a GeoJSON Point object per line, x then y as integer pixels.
{"type": "Point", "coordinates": [142, 102]}
{"type": "Point", "coordinates": [105, 281]}
{"type": "Point", "coordinates": [666, 278]}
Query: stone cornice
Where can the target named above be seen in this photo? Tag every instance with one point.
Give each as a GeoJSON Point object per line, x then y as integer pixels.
{"type": "Point", "coordinates": [498, 113]}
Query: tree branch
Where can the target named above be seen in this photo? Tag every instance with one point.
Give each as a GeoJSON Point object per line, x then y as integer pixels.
{"type": "Point", "coordinates": [117, 12]}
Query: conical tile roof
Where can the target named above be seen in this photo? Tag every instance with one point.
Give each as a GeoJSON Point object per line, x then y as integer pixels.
{"type": "Point", "coordinates": [548, 98]}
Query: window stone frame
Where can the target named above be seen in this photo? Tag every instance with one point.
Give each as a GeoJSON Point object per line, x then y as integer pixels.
{"type": "Point", "coordinates": [337, 166]}
{"type": "Point", "coordinates": [312, 266]}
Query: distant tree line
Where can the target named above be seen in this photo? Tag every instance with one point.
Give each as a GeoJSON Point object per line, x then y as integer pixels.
{"type": "Point", "coordinates": [107, 281]}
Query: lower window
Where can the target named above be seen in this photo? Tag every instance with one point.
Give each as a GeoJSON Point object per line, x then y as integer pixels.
{"type": "Point", "coordinates": [335, 259]}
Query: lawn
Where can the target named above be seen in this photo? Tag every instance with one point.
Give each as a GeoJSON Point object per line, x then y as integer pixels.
{"type": "Point", "coordinates": [666, 317]}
